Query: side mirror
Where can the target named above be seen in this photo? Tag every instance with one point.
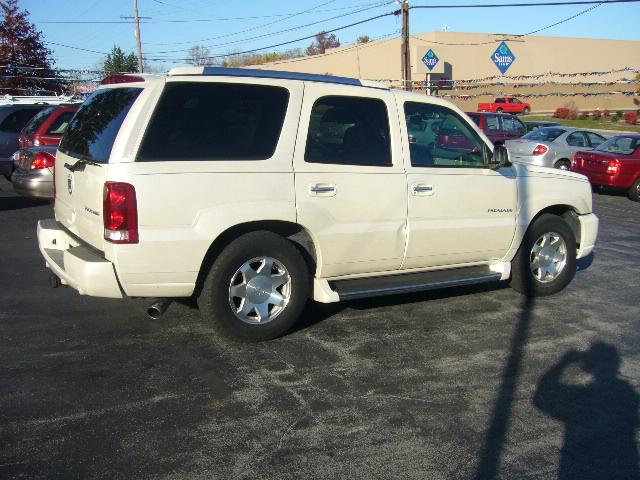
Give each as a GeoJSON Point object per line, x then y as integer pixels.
{"type": "Point", "coordinates": [500, 157]}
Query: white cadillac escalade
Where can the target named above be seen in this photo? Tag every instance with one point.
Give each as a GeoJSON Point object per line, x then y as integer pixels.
{"type": "Point", "coordinates": [255, 190]}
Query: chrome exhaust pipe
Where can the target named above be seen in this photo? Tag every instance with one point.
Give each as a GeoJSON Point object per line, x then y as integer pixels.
{"type": "Point", "coordinates": [158, 307]}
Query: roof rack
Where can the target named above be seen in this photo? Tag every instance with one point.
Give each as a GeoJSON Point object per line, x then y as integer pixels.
{"type": "Point", "coordinates": [278, 74]}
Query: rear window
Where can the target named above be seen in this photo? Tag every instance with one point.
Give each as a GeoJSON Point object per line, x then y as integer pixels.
{"type": "Point", "coordinates": [548, 134]}
{"type": "Point", "coordinates": [36, 122]}
{"type": "Point", "coordinates": [15, 121]}
{"type": "Point", "coordinates": [624, 145]}
{"type": "Point", "coordinates": [93, 130]}
{"type": "Point", "coordinates": [215, 121]}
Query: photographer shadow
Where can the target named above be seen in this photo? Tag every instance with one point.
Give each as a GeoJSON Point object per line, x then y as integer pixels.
{"type": "Point", "coordinates": [600, 418]}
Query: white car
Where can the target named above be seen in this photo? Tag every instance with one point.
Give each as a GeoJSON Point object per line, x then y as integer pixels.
{"type": "Point", "coordinates": [256, 190]}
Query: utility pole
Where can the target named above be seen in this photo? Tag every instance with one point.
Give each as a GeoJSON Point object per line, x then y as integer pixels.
{"type": "Point", "coordinates": [406, 58]}
{"type": "Point", "coordinates": [137, 19]}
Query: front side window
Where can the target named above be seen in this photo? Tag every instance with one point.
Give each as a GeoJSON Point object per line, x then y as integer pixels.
{"type": "Point", "coordinates": [595, 139]}
{"type": "Point", "coordinates": [197, 121]}
{"type": "Point", "coordinates": [576, 139]}
{"type": "Point", "coordinates": [445, 139]}
{"type": "Point", "coordinates": [500, 100]}
{"type": "Point", "coordinates": [60, 124]}
{"type": "Point", "coordinates": [350, 131]}
{"type": "Point", "coordinates": [93, 130]}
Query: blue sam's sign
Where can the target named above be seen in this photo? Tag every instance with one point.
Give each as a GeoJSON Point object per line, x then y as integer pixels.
{"type": "Point", "coordinates": [503, 57]}
{"type": "Point", "coordinates": [430, 59]}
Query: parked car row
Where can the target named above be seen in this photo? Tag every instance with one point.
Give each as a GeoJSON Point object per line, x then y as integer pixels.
{"type": "Point", "coordinates": [29, 137]}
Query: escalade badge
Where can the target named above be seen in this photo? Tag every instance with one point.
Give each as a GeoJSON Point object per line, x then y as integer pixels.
{"type": "Point", "coordinates": [70, 183]}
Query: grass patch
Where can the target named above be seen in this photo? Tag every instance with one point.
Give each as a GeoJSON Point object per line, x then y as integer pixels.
{"type": "Point", "coordinates": [589, 123]}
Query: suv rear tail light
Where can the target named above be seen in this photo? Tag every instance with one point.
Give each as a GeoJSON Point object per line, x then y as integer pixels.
{"type": "Point", "coordinates": [43, 160]}
{"type": "Point", "coordinates": [613, 167]}
{"type": "Point", "coordinates": [120, 213]}
{"type": "Point", "coordinates": [540, 150]}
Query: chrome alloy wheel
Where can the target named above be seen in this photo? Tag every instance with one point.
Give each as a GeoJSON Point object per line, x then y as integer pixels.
{"type": "Point", "coordinates": [548, 257]}
{"type": "Point", "coordinates": [259, 290]}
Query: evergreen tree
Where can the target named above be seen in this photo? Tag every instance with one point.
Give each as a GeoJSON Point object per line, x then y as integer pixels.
{"type": "Point", "coordinates": [26, 67]}
{"type": "Point", "coordinates": [118, 61]}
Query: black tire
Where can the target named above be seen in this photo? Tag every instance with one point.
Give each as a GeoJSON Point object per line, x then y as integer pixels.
{"type": "Point", "coordinates": [525, 111]}
{"type": "Point", "coordinates": [634, 191]}
{"type": "Point", "coordinates": [563, 163]}
{"type": "Point", "coordinates": [214, 301]}
{"type": "Point", "coordinates": [522, 278]}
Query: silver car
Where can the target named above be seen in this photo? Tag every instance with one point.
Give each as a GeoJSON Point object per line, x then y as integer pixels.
{"type": "Point", "coordinates": [33, 173]}
{"type": "Point", "coordinates": [552, 146]}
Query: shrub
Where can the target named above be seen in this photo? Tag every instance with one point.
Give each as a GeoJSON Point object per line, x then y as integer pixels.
{"type": "Point", "coordinates": [573, 116]}
{"type": "Point", "coordinates": [596, 114]}
{"type": "Point", "coordinates": [606, 113]}
{"type": "Point", "coordinates": [561, 112]}
{"type": "Point", "coordinates": [631, 118]}
{"type": "Point", "coordinates": [615, 118]}
{"type": "Point", "coordinates": [583, 115]}
{"type": "Point", "coordinates": [619, 113]}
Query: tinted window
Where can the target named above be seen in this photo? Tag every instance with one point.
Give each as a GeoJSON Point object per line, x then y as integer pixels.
{"type": "Point", "coordinates": [350, 131]}
{"type": "Point", "coordinates": [514, 100]}
{"type": "Point", "coordinates": [547, 134]}
{"type": "Point", "coordinates": [93, 130]}
{"type": "Point", "coordinates": [36, 122]}
{"type": "Point", "coordinates": [499, 100]}
{"type": "Point", "coordinates": [624, 145]}
{"type": "Point", "coordinates": [576, 139]}
{"type": "Point", "coordinates": [60, 124]}
{"type": "Point", "coordinates": [15, 121]}
{"type": "Point", "coordinates": [445, 140]}
{"type": "Point", "coordinates": [512, 125]}
{"type": "Point", "coordinates": [595, 139]}
{"type": "Point", "coordinates": [492, 123]}
{"type": "Point", "coordinates": [215, 121]}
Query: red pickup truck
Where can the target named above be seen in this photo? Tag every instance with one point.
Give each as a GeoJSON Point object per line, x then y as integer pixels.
{"type": "Point", "coordinates": [505, 105]}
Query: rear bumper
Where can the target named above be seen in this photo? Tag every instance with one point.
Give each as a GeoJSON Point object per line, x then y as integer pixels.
{"type": "Point", "coordinates": [605, 180]}
{"type": "Point", "coordinates": [588, 234]}
{"type": "Point", "coordinates": [38, 184]}
{"type": "Point", "coordinates": [77, 265]}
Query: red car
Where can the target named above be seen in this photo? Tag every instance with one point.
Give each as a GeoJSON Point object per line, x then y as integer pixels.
{"type": "Point", "coordinates": [499, 127]}
{"type": "Point", "coordinates": [505, 105]}
{"type": "Point", "coordinates": [615, 163]}
{"type": "Point", "coordinates": [47, 127]}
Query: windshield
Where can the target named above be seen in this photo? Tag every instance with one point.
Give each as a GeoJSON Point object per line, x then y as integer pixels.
{"type": "Point", "coordinates": [548, 134]}
{"type": "Point", "coordinates": [93, 129]}
{"type": "Point", "coordinates": [624, 145]}
{"type": "Point", "coordinates": [36, 122]}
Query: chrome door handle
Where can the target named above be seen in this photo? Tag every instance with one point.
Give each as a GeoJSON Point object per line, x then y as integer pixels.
{"type": "Point", "coordinates": [420, 189]}
{"type": "Point", "coordinates": [323, 189]}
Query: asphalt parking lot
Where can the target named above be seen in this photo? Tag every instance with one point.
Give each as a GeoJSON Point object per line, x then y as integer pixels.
{"type": "Point", "coordinates": [458, 384]}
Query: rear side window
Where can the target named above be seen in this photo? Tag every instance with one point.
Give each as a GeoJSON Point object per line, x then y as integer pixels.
{"type": "Point", "coordinates": [351, 131]}
{"type": "Point", "coordinates": [576, 139]}
{"type": "Point", "coordinates": [93, 130]}
{"type": "Point", "coordinates": [215, 121]}
{"type": "Point", "coordinates": [493, 124]}
{"type": "Point", "coordinates": [16, 121]}
{"type": "Point", "coordinates": [60, 124]}
{"type": "Point", "coordinates": [36, 122]}
{"type": "Point", "coordinates": [512, 125]}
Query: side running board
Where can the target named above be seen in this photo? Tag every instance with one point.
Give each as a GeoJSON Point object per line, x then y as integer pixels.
{"type": "Point", "coordinates": [412, 282]}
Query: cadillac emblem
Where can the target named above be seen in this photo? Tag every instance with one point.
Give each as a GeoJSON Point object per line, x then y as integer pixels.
{"type": "Point", "coordinates": [70, 183]}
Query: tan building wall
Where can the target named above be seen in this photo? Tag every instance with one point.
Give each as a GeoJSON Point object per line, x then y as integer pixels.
{"type": "Point", "coordinates": [468, 56]}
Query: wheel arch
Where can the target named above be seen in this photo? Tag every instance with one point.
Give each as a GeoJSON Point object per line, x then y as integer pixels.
{"type": "Point", "coordinates": [561, 159]}
{"type": "Point", "coordinates": [294, 232]}
{"type": "Point", "coordinates": [567, 212]}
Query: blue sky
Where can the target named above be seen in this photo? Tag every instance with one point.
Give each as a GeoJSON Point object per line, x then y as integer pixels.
{"type": "Point", "coordinates": [208, 22]}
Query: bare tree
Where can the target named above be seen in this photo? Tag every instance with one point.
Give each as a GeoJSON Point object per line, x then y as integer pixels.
{"type": "Point", "coordinates": [363, 39]}
{"type": "Point", "coordinates": [322, 42]}
{"type": "Point", "coordinates": [199, 55]}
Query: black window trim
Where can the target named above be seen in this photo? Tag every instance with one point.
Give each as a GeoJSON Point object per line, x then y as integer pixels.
{"type": "Point", "coordinates": [367, 164]}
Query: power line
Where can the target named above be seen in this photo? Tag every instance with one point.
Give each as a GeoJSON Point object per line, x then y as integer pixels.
{"type": "Point", "coordinates": [270, 34]}
{"type": "Point", "coordinates": [517, 5]}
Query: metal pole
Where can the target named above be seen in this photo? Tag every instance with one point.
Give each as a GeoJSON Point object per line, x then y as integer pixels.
{"type": "Point", "coordinates": [406, 60]}
{"type": "Point", "coordinates": [140, 64]}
